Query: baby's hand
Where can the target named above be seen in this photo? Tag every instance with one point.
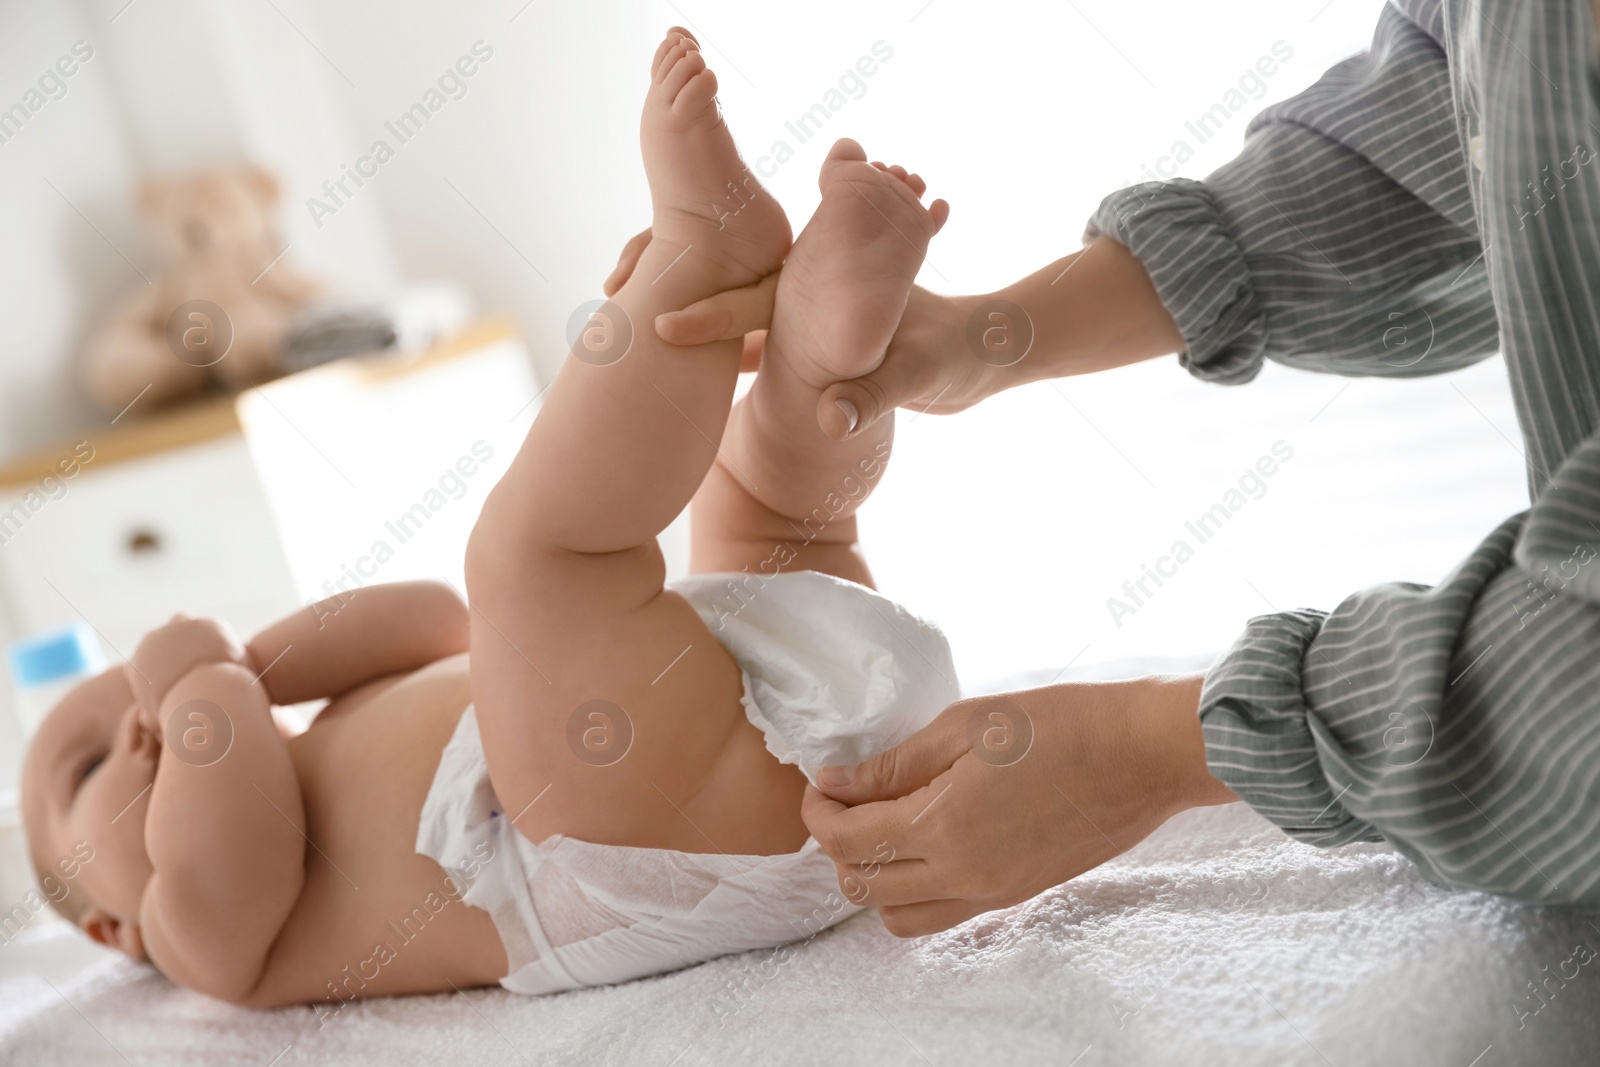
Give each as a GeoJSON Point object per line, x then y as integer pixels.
{"type": "Point", "coordinates": [172, 651]}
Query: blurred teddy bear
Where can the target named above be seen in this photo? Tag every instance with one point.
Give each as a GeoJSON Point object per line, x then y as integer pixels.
{"type": "Point", "coordinates": [216, 313]}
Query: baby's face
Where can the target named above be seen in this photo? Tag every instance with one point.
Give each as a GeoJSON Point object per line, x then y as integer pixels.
{"type": "Point", "coordinates": [86, 781]}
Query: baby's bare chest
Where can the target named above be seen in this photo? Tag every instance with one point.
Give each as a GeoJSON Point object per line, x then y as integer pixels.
{"type": "Point", "coordinates": [375, 917]}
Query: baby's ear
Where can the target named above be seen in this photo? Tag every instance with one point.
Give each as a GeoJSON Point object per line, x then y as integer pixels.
{"type": "Point", "coordinates": [112, 932]}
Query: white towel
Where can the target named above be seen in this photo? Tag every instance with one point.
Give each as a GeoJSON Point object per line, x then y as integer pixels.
{"type": "Point", "coordinates": [1216, 941]}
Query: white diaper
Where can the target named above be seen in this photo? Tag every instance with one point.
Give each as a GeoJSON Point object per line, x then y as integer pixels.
{"type": "Point", "coordinates": [833, 673]}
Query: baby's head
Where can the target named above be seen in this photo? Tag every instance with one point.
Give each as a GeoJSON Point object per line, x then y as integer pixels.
{"type": "Point", "coordinates": [85, 792]}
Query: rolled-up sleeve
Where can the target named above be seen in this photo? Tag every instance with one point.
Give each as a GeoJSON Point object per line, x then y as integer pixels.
{"type": "Point", "coordinates": [1261, 736]}
{"type": "Point", "coordinates": [1342, 238]}
{"type": "Point", "coordinates": [1459, 722]}
{"type": "Point", "coordinates": [1199, 272]}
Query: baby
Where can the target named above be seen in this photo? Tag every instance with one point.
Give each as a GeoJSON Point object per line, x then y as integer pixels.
{"type": "Point", "coordinates": [586, 775]}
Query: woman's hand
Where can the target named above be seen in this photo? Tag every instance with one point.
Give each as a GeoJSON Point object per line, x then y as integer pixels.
{"type": "Point", "coordinates": [1003, 797]}
{"type": "Point", "coordinates": [743, 312]}
{"type": "Point", "coordinates": [168, 653]}
{"type": "Point", "coordinates": [929, 366]}
{"type": "Point", "coordinates": [1089, 311]}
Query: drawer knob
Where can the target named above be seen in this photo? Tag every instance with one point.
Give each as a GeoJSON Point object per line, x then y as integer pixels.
{"type": "Point", "coordinates": [144, 542]}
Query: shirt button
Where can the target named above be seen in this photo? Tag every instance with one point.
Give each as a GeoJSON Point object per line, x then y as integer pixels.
{"type": "Point", "coordinates": [1475, 150]}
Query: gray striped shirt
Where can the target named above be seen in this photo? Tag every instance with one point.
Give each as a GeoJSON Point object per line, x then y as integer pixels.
{"type": "Point", "coordinates": [1448, 175]}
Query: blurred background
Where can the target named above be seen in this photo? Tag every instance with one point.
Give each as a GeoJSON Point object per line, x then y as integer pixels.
{"type": "Point", "coordinates": [464, 249]}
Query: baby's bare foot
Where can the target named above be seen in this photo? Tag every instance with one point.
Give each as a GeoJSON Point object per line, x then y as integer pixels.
{"type": "Point", "coordinates": [705, 198]}
{"type": "Point", "coordinates": [845, 283]}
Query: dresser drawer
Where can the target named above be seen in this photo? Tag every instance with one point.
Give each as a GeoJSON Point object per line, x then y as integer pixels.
{"type": "Point", "coordinates": [129, 544]}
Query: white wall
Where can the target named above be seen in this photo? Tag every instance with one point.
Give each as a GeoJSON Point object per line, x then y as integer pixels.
{"type": "Point", "coordinates": [56, 271]}
{"type": "Point", "coordinates": [204, 83]}
{"type": "Point", "coordinates": [527, 186]}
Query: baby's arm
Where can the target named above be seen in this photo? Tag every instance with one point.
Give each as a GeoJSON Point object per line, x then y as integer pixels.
{"type": "Point", "coordinates": [352, 638]}
{"type": "Point", "coordinates": [226, 838]}
{"type": "Point", "coordinates": [169, 652]}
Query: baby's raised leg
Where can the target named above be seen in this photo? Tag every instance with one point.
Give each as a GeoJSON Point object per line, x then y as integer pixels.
{"type": "Point", "coordinates": [840, 297]}
{"type": "Point", "coordinates": [629, 428]}
{"type": "Point", "coordinates": [563, 572]}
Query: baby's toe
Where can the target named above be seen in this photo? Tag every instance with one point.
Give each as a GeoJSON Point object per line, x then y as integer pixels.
{"type": "Point", "coordinates": [677, 46]}
{"type": "Point", "coordinates": [687, 65]}
{"type": "Point", "coordinates": [668, 42]}
{"type": "Point", "coordinates": [845, 149]}
{"type": "Point", "coordinates": [697, 94]}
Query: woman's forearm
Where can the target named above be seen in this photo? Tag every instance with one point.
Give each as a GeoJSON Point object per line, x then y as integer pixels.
{"type": "Point", "coordinates": [1090, 311]}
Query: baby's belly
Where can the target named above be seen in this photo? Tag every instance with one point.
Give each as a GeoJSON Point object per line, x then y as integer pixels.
{"type": "Point", "coordinates": [375, 917]}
